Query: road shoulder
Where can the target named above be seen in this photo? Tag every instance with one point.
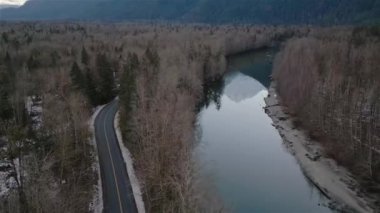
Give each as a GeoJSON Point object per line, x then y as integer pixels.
{"type": "Point", "coordinates": [96, 205]}
{"type": "Point", "coordinates": [129, 164]}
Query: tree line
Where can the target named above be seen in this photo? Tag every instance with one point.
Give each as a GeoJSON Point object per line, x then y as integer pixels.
{"type": "Point", "coordinates": [100, 89]}
{"type": "Point", "coordinates": [330, 80]}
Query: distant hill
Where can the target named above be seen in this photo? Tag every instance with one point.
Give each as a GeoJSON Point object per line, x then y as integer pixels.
{"type": "Point", "coordinates": [209, 11]}
{"type": "Point", "coordinates": [2, 6]}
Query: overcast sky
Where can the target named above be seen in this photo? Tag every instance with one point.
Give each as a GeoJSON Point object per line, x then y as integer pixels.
{"type": "Point", "coordinates": [13, 2]}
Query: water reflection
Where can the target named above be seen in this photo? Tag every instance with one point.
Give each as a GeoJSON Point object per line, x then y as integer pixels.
{"type": "Point", "coordinates": [253, 172]}
{"type": "Point", "coordinates": [241, 87]}
{"type": "Point", "coordinates": [212, 91]}
{"type": "Point", "coordinates": [262, 65]}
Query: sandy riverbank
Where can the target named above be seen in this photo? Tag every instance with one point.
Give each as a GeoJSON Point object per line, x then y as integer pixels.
{"type": "Point", "coordinates": [333, 180]}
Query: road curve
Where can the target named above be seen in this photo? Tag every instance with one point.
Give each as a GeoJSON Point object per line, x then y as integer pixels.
{"type": "Point", "coordinates": [117, 191]}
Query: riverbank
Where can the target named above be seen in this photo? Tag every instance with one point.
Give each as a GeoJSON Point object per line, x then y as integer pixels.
{"type": "Point", "coordinates": [333, 180]}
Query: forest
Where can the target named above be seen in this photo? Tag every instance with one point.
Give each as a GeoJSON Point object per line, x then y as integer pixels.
{"type": "Point", "coordinates": [47, 91]}
{"type": "Point", "coordinates": [330, 80]}
{"type": "Point", "coordinates": [53, 75]}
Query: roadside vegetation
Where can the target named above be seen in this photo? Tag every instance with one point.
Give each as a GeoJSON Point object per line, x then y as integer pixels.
{"type": "Point", "coordinates": [49, 83]}
{"type": "Point", "coordinates": [330, 81]}
{"type": "Point", "coordinates": [45, 154]}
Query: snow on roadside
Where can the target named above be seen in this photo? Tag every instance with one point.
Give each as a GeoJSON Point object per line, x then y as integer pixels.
{"type": "Point", "coordinates": [7, 180]}
{"type": "Point", "coordinates": [96, 205]}
{"type": "Point", "coordinates": [33, 105]}
{"type": "Point", "coordinates": [129, 164]}
{"type": "Point", "coordinates": [7, 173]}
{"type": "Point", "coordinates": [333, 180]}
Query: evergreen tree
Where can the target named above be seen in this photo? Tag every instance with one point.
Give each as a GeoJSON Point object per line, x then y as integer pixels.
{"type": "Point", "coordinates": [128, 85]}
{"type": "Point", "coordinates": [106, 84]}
{"type": "Point", "coordinates": [54, 58]}
{"type": "Point", "coordinates": [4, 36]}
{"type": "Point", "coordinates": [128, 89]}
{"type": "Point", "coordinates": [77, 76]}
{"type": "Point", "coordinates": [90, 89]}
{"type": "Point", "coordinates": [6, 83]}
{"type": "Point", "coordinates": [5, 106]}
{"type": "Point", "coordinates": [32, 62]}
{"type": "Point", "coordinates": [85, 57]}
{"type": "Point", "coordinates": [7, 58]}
{"type": "Point", "coordinates": [152, 56]}
{"type": "Point", "coordinates": [9, 67]}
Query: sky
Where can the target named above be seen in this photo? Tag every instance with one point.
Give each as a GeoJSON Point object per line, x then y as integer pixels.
{"type": "Point", "coordinates": [13, 2]}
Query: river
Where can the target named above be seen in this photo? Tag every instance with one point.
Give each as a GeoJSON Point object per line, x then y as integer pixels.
{"type": "Point", "coordinates": [242, 152]}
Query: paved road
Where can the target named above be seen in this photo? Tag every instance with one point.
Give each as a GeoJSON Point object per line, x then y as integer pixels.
{"type": "Point", "coordinates": [117, 191]}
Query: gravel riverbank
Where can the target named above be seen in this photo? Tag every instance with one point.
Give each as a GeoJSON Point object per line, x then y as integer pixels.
{"type": "Point", "coordinates": [333, 180]}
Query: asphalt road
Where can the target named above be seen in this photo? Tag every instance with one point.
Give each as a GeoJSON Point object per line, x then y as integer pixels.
{"type": "Point", "coordinates": [117, 190]}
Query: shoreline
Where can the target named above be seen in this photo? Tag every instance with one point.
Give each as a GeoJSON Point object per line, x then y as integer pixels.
{"type": "Point", "coordinates": [334, 181]}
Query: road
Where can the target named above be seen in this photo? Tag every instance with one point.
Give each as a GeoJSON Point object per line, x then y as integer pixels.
{"type": "Point", "coordinates": [117, 190]}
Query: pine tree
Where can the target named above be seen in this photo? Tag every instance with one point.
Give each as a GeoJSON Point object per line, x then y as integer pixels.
{"type": "Point", "coordinates": [128, 87]}
{"type": "Point", "coordinates": [6, 82]}
{"type": "Point", "coordinates": [77, 76]}
{"type": "Point", "coordinates": [85, 57]}
{"type": "Point", "coordinates": [152, 57]}
{"type": "Point", "coordinates": [7, 58]}
{"type": "Point", "coordinates": [5, 106]}
{"type": "Point", "coordinates": [4, 36]}
{"type": "Point", "coordinates": [90, 89]}
{"type": "Point", "coordinates": [128, 90]}
{"type": "Point", "coordinates": [106, 87]}
{"type": "Point", "coordinates": [9, 67]}
{"type": "Point", "coordinates": [54, 58]}
{"type": "Point", "coordinates": [32, 62]}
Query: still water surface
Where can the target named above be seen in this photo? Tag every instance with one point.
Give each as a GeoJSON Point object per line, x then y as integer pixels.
{"type": "Point", "coordinates": [251, 168]}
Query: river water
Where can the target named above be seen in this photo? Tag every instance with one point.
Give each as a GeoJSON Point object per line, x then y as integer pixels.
{"type": "Point", "coordinates": [242, 152]}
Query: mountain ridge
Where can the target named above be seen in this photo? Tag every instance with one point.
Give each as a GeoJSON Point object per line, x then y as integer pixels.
{"type": "Point", "coordinates": [206, 11]}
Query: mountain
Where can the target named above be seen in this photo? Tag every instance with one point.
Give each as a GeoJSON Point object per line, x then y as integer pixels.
{"type": "Point", "coordinates": [291, 11]}
{"type": "Point", "coordinates": [10, 3]}
{"type": "Point", "coordinates": [2, 6]}
{"type": "Point", "coordinates": [99, 9]}
{"type": "Point", "coordinates": [208, 11]}
{"type": "Point", "coordinates": [50, 9]}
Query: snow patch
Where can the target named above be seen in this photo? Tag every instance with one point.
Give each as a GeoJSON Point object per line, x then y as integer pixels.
{"type": "Point", "coordinates": [7, 173]}
{"type": "Point", "coordinates": [7, 181]}
{"type": "Point", "coordinates": [33, 105]}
